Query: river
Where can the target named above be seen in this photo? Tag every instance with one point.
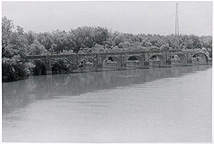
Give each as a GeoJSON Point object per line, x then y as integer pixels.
{"type": "Point", "coordinates": [143, 105]}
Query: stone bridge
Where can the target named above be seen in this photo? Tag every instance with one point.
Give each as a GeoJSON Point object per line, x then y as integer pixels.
{"type": "Point", "coordinates": [138, 59]}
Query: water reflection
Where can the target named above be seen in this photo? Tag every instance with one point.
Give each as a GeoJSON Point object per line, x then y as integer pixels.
{"type": "Point", "coordinates": [19, 94]}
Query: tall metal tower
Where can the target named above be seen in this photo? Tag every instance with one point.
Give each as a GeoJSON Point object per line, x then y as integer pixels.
{"type": "Point", "coordinates": [176, 27]}
{"type": "Point", "coordinates": [176, 21]}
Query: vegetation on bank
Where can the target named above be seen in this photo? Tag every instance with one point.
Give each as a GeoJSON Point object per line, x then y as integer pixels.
{"type": "Point", "coordinates": [16, 44]}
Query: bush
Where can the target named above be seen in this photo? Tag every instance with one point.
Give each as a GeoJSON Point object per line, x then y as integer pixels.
{"type": "Point", "coordinates": [13, 70]}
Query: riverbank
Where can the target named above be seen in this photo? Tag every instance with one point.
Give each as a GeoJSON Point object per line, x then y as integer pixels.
{"type": "Point", "coordinates": [85, 70]}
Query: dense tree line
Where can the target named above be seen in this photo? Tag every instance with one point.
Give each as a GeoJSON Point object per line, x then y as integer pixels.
{"type": "Point", "coordinates": [16, 44]}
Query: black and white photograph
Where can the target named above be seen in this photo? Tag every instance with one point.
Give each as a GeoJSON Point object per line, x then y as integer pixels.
{"type": "Point", "coordinates": [106, 71]}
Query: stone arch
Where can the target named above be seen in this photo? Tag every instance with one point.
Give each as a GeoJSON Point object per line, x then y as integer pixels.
{"type": "Point", "coordinates": [65, 59]}
{"type": "Point", "coordinates": [72, 62]}
{"type": "Point", "coordinates": [60, 65]}
{"type": "Point", "coordinates": [87, 62]}
{"type": "Point", "coordinates": [157, 60]}
{"type": "Point", "coordinates": [135, 59]}
{"type": "Point", "coordinates": [112, 61]}
{"type": "Point", "coordinates": [180, 58]}
{"type": "Point", "coordinates": [200, 58]}
{"type": "Point", "coordinates": [40, 67]}
{"type": "Point", "coordinates": [157, 57]}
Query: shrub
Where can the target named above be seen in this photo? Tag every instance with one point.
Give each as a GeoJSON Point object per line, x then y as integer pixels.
{"type": "Point", "coordinates": [13, 70]}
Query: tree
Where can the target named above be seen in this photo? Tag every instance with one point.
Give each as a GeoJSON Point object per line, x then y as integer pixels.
{"type": "Point", "coordinates": [30, 36]}
{"type": "Point", "coordinates": [7, 26]}
{"type": "Point", "coordinates": [37, 49]}
{"type": "Point", "coordinates": [118, 39]}
{"type": "Point", "coordinates": [61, 41]}
{"type": "Point", "coordinates": [101, 35]}
{"type": "Point", "coordinates": [17, 44]}
{"type": "Point", "coordinates": [45, 39]}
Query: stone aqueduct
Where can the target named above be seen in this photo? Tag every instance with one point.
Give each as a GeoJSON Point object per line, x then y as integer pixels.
{"type": "Point", "coordinates": [138, 59]}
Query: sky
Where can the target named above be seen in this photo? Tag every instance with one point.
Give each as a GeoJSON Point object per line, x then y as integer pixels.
{"type": "Point", "coordinates": [128, 17]}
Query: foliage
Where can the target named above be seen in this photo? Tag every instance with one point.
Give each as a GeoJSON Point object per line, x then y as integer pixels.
{"type": "Point", "coordinates": [60, 66]}
{"type": "Point", "coordinates": [16, 44]}
{"type": "Point", "coordinates": [7, 26]}
{"type": "Point", "coordinates": [39, 68]}
{"type": "Point", "coordinates": [37, 49]}
{"type": "Point", "coordinates": [13, 69]}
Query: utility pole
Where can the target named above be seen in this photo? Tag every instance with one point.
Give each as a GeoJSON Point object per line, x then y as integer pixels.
{"type": "Point", "coordinates": [176, 27]}
{"type": "Point", "coordinates": [176, 21]}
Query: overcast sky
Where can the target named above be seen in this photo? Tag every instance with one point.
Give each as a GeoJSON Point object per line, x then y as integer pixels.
{"type": "Point", "coordinates": [130, 17]}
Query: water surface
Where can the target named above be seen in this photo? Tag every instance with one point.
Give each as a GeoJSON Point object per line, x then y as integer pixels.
{"type": "Point", "coordinates": [144, 105]}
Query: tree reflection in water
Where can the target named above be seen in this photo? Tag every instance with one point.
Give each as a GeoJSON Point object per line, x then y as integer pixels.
{"type": "Point", "coordinates": [20, 93]}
